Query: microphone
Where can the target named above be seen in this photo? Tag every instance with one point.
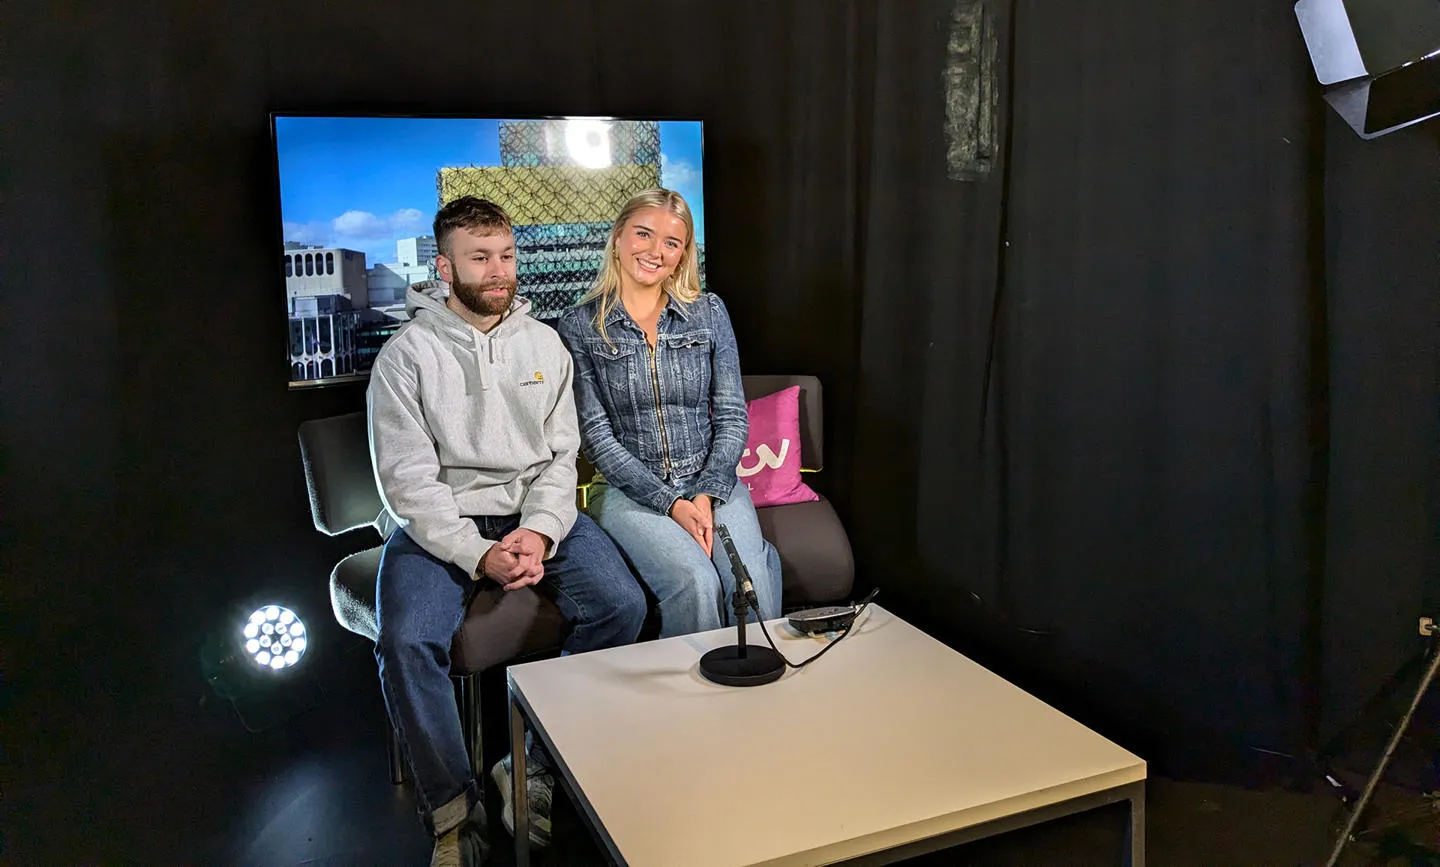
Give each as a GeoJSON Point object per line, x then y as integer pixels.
{"type": "Point", "coordinates": [742, 664]}
{"type": "Point", "coordinates": [742, 575]}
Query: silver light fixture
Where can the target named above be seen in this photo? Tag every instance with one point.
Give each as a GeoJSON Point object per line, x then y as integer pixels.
{"type": "Point", "coordinates": [1379, 60]}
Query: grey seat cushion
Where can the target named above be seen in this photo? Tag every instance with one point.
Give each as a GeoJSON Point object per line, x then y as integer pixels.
{"type": "Point", "coordinates": [501, 627]}
{"type": "Point", "coordinates": [498, 626]}
{"type": "Point", "coordinates": [352, 592]}
{"type": "Point", "coordinates": [815, 554]}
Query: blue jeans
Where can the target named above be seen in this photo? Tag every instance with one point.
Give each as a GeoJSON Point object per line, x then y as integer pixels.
{"type": "Point", "coordinates": [421, 602]}
{"type": "Point", "coordinates": [694, 591]}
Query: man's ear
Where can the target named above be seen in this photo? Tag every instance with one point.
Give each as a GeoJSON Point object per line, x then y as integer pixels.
{"type": "Point", "coordinates": [444, 268]}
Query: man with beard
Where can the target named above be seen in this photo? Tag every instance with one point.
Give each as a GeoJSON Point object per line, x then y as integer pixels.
{"type": "Point", "coordinates": [474, 437]}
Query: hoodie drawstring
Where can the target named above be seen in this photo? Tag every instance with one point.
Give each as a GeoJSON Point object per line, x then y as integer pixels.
{"type": "Point", "coordinates": [484, 359]}
{"type": "Point", "coordinates": [430, 298]}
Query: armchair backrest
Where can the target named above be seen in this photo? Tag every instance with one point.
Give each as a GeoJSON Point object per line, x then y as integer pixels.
{"type": "Point", "coordinates": [341, 479]}
{"type": "Point", "coordinates": [812, 411]}
{"type": "Point", "coordinates": [339, 476]}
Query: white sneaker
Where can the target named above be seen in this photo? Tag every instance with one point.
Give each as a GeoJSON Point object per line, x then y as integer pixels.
{"type": "Point", "coordinates": [539, 786]}
{"type": "Point", "coordinates": [465, 844]}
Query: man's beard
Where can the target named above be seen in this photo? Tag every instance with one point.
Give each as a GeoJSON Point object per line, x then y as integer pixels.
{"type": "Point", "coordinates": [474, 296]}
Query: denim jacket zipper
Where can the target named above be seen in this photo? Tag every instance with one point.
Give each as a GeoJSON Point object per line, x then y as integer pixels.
{"type": "Point", "coordinates": [659, 414]}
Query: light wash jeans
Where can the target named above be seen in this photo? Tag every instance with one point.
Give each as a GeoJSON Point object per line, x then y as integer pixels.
{"type": "Point", "coordinates": [694, 591]}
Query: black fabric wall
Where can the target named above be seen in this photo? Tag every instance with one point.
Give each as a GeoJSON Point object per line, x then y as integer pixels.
{"type": "Point", "coordinates": [1145, 419]}
{"type": "Point", "coordinates": [1146, 446]}
{"type": "Point", "coordinates": [1158, 403]}
{"type": "Point", "coordinates": [1382, 519]}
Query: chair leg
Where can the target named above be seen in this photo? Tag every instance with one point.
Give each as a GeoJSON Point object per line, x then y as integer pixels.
{"type": "Point", "coordinates": [397, 761]}
{"type": "Point", "coordinates": [468, 686]}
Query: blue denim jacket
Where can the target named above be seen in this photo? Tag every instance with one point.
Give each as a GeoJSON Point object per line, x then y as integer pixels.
{"type": "Point", "coordinates": [664, 424]}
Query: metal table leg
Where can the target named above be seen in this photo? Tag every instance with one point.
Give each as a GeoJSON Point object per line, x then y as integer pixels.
{"type": "Point", "coordinates": [520, 796]}
{"type": "Point", "coordinates": [1135, 833]}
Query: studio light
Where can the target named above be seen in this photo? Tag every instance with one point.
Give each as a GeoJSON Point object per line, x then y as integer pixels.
{"type": "Point", "coordinates": [256, 662]}
{"type": "Point", "coordinates": [588, 142]}
{"type": "Point", "coordinates": [1379, 60]}
{"type": "Point", "coordinates": [274, 638]}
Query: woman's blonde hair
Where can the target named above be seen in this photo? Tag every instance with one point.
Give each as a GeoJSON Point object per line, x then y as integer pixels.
{"type": "Point", "coordinates": [683, 284]}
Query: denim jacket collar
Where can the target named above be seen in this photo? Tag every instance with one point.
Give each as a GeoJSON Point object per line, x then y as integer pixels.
{"type": "Point", "coordinates": [672, 304]}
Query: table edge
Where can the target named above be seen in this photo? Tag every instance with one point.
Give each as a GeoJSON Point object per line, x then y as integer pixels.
{"type": "Point", "coordinates": [864, 845]}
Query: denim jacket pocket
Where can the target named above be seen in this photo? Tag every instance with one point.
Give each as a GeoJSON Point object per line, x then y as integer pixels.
{"type": "Point", "coordinates": [616, 363]}
{"type": "Point", "coordinates": [690, 365]}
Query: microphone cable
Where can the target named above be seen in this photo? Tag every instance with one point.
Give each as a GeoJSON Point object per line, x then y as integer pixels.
{"type": "Point", "coordinates": [839, 638]}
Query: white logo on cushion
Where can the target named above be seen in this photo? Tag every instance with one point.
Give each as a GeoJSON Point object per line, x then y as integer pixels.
{"type": "Point", "coordinates": [767, 459]}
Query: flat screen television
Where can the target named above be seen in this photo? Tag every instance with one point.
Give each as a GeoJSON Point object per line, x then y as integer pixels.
{"type": "Point", "coordinates": [358, 195]}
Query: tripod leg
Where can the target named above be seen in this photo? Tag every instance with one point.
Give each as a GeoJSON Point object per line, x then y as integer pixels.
{"type": "Point", "coordinates": [1384, 760]}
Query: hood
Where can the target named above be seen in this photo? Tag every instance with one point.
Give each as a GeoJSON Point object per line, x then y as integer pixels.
{"type": "Point", "coordinates": [425, 302]}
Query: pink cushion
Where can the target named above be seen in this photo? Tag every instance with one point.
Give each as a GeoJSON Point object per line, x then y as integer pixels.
{"type": "Point", "coordinates": [770, 467]}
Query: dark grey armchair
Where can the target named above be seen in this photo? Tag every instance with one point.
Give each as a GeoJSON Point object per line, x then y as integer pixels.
{"type": "Point", "coordinates": [501, 627]}
{"type": "Point", "coordinates": [498, 626]}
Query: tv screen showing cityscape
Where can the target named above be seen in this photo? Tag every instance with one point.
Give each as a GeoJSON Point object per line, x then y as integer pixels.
{"type": "Point", "coordinates": [358, 197]}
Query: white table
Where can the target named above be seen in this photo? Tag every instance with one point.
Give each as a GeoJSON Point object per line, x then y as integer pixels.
{"type": "Point", "coordinates": [890, 746]}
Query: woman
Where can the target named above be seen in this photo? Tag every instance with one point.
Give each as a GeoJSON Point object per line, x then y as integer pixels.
{"type": "Point", "coordinates": [663, 419]}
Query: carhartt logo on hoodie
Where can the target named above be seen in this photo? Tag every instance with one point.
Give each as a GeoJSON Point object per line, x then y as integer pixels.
{"type": "Point", "coordinates": [536, 378]}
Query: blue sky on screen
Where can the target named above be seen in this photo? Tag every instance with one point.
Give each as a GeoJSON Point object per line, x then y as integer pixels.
{"type": "Point", "coordinates": [363, 182]}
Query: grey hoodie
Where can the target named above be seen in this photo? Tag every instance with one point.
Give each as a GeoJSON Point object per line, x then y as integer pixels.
{"type": "Point", "coordinates": [464, 423]}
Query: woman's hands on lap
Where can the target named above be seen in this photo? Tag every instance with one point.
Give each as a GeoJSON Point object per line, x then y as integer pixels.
{"type": "Point", "coordinates": [697, 518]}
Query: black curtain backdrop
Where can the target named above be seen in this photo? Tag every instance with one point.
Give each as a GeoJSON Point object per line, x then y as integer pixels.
{"type": "Point", "coordinates": [1147, 459]}
{"type": "Point", "coordinates": [1381, 234]}
{"type": "Point", "coordinates": [1144, 419]}
{"type": "Point", "coordinates": [1153, 407]}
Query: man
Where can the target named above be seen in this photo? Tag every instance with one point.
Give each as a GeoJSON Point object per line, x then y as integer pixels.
{"type": "Point", "coordinates": [474, 437]}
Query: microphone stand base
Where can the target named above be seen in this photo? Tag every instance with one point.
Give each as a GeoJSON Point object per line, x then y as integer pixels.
{"type": "Point", "coordinates": [725, 666]}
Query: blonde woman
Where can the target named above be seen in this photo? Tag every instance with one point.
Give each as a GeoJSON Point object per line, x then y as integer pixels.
{"type": "Point", "coordinates": [663, 419]}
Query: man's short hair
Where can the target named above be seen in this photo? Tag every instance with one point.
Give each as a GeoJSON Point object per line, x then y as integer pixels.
{"type": "Point", "coordinates": [470, 213]}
